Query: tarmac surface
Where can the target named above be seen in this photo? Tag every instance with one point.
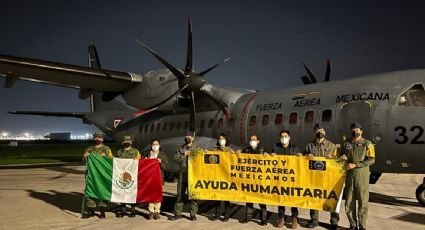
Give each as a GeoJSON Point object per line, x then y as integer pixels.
{"type": "Point", "coordinates": [49, 197]}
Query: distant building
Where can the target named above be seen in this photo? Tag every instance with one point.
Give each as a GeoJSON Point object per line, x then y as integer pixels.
{"type": "Point", "coordinates": [60, 136]}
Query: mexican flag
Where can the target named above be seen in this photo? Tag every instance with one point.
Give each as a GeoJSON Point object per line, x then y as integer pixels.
{"type": "Point", "coordinates": [123, 180]}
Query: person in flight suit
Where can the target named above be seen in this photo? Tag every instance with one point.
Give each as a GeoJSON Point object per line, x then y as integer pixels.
{"type": "Point", "coordinates": [89, 203]}
{"type": "Point", "coordinates": [222, 145]}
{"type": "Point", "coordinates": [359, 154]}
{"type": "Point", "coordinates": [127, 152]}
{"type": "Point", "coordinates": [321, 147]}
{"type": "Point", "coordinates": [181, 158]}
{"type": "Point", "coordinates": [254, 148]}
{"type": "Point", "coordinates": [285, 147]}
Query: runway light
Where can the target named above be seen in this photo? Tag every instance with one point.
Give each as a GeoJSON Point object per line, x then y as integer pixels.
{"type": "Point", "coordinates": [4, 134]}
{"type": "Point", "coordinates": [26, 134]}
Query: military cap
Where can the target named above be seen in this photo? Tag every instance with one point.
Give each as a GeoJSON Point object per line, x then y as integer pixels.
{"type": "Point", "coordinates": [188, 133]}
{"type": "Point", "coordinates": [98, 135]}
{"type": "Point", "coordinates": [318, 126]}
{"type": "Point", "coordinates": [355, 125]}
{"type": "Point", "coordinates": [127, 138]}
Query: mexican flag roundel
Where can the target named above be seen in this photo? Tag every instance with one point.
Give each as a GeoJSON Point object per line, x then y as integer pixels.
{"type": "Point", "coordinates": [123, 180]}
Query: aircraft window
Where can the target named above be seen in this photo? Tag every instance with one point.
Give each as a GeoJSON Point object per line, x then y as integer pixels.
{"type": "Point", "coordinates": [265, 120]}
{"type": "Point", "coordinates": [171, 126]}
{"type": "Point", "coordinates": [146, 128]}
{"type": "Point", "coordinates": [220, 123]}
{"type": "Point", "coordinates": [179, 125]}
{"type": "Point", "coordinates": [293, 118]}
{"type": "Point", "coordinates": [252, 121]}
{"type": "Point", "coordinates": [158, 127]}
{"type": "Point", "coordinates": [164, 127]}
{"type": "Point", "coordinates": [278, 119]}
{"type": "Point", "coordinates": [413, 97]}
{"type": "Point", "coordinates": [211, 123]}
{"type": "Point", "coordinates": [327, 115]}
{"type": "Point", "coordinates": [309, 117]}
{"type": "Point", "coordinates": [202, 124]}
{"type": "Point", "coordinates": [186, 125]}
{"type": "Point", "coordinates": [152, 127]}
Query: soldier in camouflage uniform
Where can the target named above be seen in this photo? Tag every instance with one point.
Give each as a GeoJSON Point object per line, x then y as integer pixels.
{"type": "Point", "coordinates": [321, 147]}
{"type": "Point", "coordinates": [222, 145]}
{"type": "Point", "coordinates": [127, 152]}
{"type": "Point", "coordinates": [181, 158]}
{"type": "Point", "coordinates": [89, 203]}
{"type": "Point", "coordinates": [359, 154]}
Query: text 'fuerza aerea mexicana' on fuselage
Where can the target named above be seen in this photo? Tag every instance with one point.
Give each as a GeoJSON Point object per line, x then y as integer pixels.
{"type": "Point", "coordinates": [372, 96]}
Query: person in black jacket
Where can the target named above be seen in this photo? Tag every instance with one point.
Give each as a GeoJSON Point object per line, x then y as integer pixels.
{"type": "Point", "coordinates": [222, 145]}
{"type": "Point", "coordinates": [255, 148]}
{"type": "Point", "coordinates": [285, 147]}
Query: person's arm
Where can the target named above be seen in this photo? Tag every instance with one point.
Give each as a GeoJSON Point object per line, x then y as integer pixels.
{"type": "Point", "coordinates": [369, 158]}
{"type": "Point", "coordinates": [138, 156]}
{"type": "Point", "coordinates": [165, 166]}
{"type": "Point", "coordinates": [332, 152]}
{"type": "Point", "coordinates": [179, 156]}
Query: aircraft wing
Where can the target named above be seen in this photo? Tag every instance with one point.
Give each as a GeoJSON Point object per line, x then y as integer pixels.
{"type": "Point", "coordinates": [85, 78]}
{"type": "Point", "coordinates": [50, 114]}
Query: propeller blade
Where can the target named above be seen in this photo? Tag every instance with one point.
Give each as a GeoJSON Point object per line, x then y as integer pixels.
{"type": "Point", "coordinates": [310, 74]}
{"type": "Point", "coordinates": [189, 60]}
{"type": "Point", "coordinates": [328, 70]}
{"type": "Point", "coordinates": [306, 80]}
{"type": "Point", "coordinates": [174, 70]}
{"type": "Point", "coordinates": [222, 105]}
{"type": "Point", "coordinates": [168, 98]}
{"type": "Point", "coordinates": [213, 67]}
{"type": "Point", "coordinates": [192, 123]}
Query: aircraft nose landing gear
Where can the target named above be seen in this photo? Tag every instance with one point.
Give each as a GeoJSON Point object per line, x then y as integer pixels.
{"type": "Point", "coordinates": [420, 193]}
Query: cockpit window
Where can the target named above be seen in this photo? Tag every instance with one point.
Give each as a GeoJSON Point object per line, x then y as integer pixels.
{"type": "Point", "coordinates": [413, 97]}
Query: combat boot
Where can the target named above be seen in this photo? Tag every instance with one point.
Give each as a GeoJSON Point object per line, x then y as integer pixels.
{"type": "Point", "coordinates": [226, 215]}
{"type": "Point", "coordinates": [263, 217]}
{"type": "Point", "coordinates": [121, 212]}
{"type": "Point", "coordinates": [216, 215]}
{"type": "Point", "coordinates": [102, 213]}
{"type": "Point", "coordinates": [133, 211]}
{"type": "Point", "coordinates": [87, 214]}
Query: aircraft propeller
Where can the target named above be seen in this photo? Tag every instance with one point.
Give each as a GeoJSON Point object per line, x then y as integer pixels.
{"type": "Point", "coordinates": [189, 82]}
{"type": "Point", "coordinates": [311, 79]}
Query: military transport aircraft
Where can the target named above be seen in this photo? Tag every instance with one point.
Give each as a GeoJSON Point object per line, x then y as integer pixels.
{"type": "Point", "coordinates": [163, 103]}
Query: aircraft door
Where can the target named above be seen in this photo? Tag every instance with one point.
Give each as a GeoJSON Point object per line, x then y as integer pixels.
{"type": "Point", "coordinates": [348, 113]}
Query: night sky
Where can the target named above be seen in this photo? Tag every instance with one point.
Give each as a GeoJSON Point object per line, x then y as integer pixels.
{"type": "Point", "coordinates": [267, 41]}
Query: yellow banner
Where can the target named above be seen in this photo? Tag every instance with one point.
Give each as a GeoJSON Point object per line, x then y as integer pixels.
{"type": "Point", "coordinates": [275, 180]}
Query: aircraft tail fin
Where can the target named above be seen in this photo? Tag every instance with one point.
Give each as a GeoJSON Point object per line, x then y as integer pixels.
{"type": "Point", "coordinates": [97, 101]}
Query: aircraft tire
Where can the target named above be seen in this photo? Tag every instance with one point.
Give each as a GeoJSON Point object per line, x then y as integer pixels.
{"type": "Point", "coordinates": [420, 194]}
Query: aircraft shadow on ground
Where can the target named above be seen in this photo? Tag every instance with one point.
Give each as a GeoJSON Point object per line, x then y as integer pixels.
{"type": "Point", "coordinates": [66, 170]}
{"type": "Point", "coordinates": [418, 218]}
{"type": "Point", "coordinates": [72, 202]}
{"type": "Point", "coordinates": [391, 200]}
{"type": "Point", "coordinates": [237, 212]}
{"type": "Point", "coordinates": [66, 201]}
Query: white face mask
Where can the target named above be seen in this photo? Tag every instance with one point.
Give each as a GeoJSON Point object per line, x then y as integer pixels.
{"type": "Point", "coordinates": [155, 147]}
{"type": "Point", "coordinates": [285, 140]}
{"type": "Point", "coordinates": [253, 144]}
{"type": "Point", "coordinates": [222, 142]}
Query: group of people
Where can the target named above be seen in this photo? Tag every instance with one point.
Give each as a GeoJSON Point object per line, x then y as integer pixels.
{"type": "Point", "coordinates": [357, 152]}
{"type": "Point", "coordinates": [127, 151]}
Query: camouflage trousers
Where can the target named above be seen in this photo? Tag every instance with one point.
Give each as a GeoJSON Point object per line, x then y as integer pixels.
{"type": "Point", "coordinates": [93, 203]}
